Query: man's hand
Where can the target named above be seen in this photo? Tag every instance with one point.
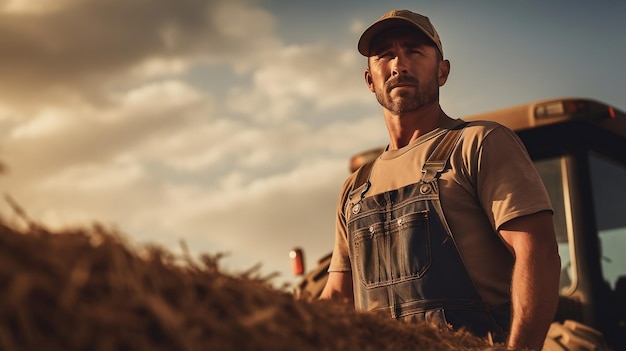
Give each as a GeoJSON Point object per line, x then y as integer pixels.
{"type": "Point", "coordinates": [338, 288]}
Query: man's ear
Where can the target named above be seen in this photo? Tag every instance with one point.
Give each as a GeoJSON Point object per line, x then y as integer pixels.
{"type": "Point", "coordinates": [368, 80]}
{"type": "Point", "coordinates": [444, 71]}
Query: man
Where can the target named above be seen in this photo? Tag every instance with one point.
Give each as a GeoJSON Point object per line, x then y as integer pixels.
{"type": "Point", "coordinates": [451, 224]}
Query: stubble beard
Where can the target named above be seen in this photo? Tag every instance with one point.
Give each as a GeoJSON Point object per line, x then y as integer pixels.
{"type": "Point", "coordinates": [405, 101]}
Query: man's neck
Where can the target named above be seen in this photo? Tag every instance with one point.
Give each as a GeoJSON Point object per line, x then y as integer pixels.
{"type": "Point", "coordinates": [407, 127]}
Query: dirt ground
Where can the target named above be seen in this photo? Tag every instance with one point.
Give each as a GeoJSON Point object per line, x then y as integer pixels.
{"type": "Point", "coordinates": [90, 289]}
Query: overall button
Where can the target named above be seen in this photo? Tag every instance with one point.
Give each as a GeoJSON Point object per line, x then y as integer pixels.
{"type": "Point", "coordinates": [356, 208]}
{"type": "Point", "coordinates": [425, 189]}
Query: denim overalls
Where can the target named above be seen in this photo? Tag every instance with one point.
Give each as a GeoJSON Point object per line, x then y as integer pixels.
{"type": "Point", "coordinates": [405, 262]}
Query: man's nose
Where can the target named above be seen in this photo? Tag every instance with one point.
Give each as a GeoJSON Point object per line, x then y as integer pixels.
{"type": "Point", "coordinates": [400, 64]}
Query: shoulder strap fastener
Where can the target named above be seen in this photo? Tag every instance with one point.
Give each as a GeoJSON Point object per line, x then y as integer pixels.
{"type": "Point", "coordinates": [361, 183]}
{"type": "Point", "coordinates": [437, 161]}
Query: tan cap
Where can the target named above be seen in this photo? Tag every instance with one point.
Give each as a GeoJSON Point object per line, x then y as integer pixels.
{"type": "Point", "coordinates": [395, 18]}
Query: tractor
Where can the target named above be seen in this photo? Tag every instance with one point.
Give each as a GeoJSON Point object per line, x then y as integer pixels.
{"type": "Point", "coordinates": [578, 145]}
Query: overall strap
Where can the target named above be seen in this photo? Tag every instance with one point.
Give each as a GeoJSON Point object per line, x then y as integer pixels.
{"type": "Point", "coordinates": [362, 183]}
{"type": "Point", "coordinates": [435, 164]}
{"type": "Point", "coordinates": [438, 159]}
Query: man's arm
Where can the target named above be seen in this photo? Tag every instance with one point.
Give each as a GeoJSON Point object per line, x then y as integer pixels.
{"type": "Point", "coordinates": [339, 288]}
{"type": "Point", "coordinates": [535, 281]}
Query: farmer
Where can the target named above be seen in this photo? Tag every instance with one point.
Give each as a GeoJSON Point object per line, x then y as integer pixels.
{"type": "Point", "coordinates": [452, 223]}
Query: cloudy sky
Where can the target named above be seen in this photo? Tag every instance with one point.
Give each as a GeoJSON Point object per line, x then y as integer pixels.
{"type": "Point", "coordinates": [229, 123]}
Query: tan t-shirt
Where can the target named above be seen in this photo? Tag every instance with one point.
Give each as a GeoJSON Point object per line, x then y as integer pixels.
{"type": "Point", "coordinates": [489, 180]}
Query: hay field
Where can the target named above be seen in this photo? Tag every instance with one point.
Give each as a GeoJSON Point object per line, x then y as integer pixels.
{"type": "Point", "coordinates": [90, 289]}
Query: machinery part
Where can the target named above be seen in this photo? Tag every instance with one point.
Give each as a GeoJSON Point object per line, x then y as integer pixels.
{"type": "Point", "coordinates": [573, 336]}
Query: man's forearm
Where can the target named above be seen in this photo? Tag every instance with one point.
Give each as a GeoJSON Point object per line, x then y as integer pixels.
{"type": "Point", "coordinates": [534, 293]}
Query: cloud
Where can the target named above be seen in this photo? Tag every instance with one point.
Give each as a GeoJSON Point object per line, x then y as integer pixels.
{"type": "Point", "coordinates": [357, 27]}
{"type": "Point", "coordinates": [103, 118]}
{"type": "Point", "coordinates": [32, 6]}
{"type": "Point", "coordinates": [78, 50]}
{"type": "Point", "coordinates": [48, 121]}
{"type": "Point", "coordinates": [296, 77]}
{"type": "Point", "coordinates": [50, 141]}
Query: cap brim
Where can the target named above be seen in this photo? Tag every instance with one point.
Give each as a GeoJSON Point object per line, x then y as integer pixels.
{"type": "Point", "coordinates": [364, 44]}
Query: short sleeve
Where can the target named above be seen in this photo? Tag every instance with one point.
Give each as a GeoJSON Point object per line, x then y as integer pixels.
{"type": "Point", "coordinates": [508, 184]}
{"type": "Point", "coordinates": [340, 261]}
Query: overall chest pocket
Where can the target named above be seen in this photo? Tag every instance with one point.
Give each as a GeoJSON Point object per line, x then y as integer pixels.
{"type": "Point", "coordinates": [387, 252]}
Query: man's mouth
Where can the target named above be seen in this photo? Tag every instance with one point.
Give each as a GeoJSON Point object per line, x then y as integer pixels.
{"type": "Point", "coordinates": [405, 82]}
{"type": "Point", "coordinates": [402, 86]}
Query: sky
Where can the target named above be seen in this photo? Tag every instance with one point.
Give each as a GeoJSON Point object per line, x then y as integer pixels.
{"type": "Point", "coordinates": [228, 124]}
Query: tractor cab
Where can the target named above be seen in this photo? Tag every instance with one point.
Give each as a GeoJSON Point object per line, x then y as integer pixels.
{"type": "Point", "coordinates": [579, 148]}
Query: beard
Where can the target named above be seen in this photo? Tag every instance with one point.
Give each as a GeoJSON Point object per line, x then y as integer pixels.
{"type": "Point", "coordinates": [408, 100]}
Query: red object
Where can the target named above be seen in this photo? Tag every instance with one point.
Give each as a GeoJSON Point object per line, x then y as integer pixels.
{"type": "Point", "coordinates": [297, 261]}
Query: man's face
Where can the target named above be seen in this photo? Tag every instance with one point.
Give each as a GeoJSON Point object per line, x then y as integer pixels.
{"type": "Point", "coordinates": [405, 70]}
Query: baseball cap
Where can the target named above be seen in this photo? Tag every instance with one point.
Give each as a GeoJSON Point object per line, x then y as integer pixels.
{"type": "Point", "coordinates": [395, 18]}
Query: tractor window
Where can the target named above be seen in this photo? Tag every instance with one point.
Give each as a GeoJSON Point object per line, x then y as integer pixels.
{"type": "Point", "coordinates": [609, 195]}
{"type": "Point", "coordinates": [551, 171]}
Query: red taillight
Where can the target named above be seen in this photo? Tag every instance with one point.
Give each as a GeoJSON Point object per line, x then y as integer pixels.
{"type": "Point", "coordinates": [611, 112]}
{"type": "Point", "coordinates": [297, 261]}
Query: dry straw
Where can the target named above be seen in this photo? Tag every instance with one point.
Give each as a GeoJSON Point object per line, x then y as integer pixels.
{"type": "Point", "coordinates": [88, 289]}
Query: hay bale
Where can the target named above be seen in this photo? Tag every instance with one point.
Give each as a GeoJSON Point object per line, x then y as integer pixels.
{"type": "Point", "coordinates": [88, 289]}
